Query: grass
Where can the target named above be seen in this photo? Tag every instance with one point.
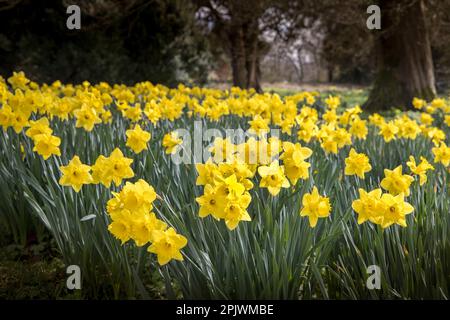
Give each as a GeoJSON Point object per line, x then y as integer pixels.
{"type": "Point", "coordinates": [350, 96]}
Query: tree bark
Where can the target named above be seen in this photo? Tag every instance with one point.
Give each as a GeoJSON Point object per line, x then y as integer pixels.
{"type": "Point", "coordinates": [238, 60]}
{"type": "Point", "coordinates": [405, 66]}
{"type": "Point", "coordinates": [252, 57]}
{"type": "Point", "coordinates": [245, 55]}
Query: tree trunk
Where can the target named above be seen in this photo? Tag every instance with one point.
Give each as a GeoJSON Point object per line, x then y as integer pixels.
{"type": "Point", "coordinates": [252, 57]}
{"type": "Point", "coordinates": [330, 73]}
{"type": "Point", "coordinates": [405, 66]}
{"type": "Point", "coordinates": [245, 55]}
{"type": "Point", "coordinates": [297, 68]}
{"type": "Point", "coordinates": [258, 74]}
{"type": "Point", "coordinates": [238, 60]}
{"type": "Point", "coordinates": [301, 68]}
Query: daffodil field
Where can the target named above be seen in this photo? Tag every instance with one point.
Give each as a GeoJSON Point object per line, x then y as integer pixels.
{"type": "Point", "coordinates": [315, 193]}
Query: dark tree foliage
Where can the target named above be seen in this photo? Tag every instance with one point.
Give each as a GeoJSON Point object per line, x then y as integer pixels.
{"type": "Point", "coordinates": [439, 27]}
{"type": "Point", "coordinates": [119, 42]}
{"type": "Point", "coordinates": [350, 59]}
